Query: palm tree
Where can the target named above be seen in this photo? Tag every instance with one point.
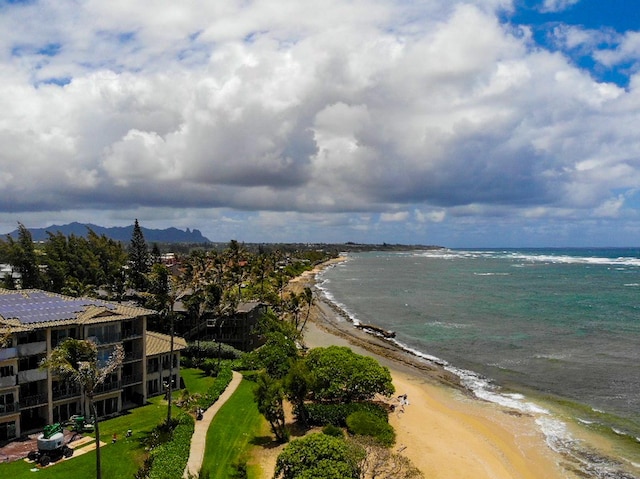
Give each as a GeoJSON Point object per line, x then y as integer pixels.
{"type": "Point", "coordinates": [307, 297]}
{"type": "Point", "coordinates": [269, 395]}
{"type": "Point", "coordinates": [165, 291]}
{"type": "Point", "coordinates": [77, 360]}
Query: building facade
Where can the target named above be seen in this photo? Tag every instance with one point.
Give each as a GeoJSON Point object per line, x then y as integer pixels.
{"type": "Point", "coordinates": [161, 366]}
{"type": "Point", "coordinates": [238, 329]}
{"type": "Point", "coordinates": [32, 324]}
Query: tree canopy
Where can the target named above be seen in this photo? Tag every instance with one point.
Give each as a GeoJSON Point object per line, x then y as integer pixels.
{"type": "Point", "coordinates": [340, 375]}
{"type": "Point", "coordinates": [77, 360]}
{"type": "Point", "coordinates": [319, 456]}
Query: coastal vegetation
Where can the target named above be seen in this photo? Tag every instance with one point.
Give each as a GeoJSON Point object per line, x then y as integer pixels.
{"type": "Point", "coordinates": [331, 388]}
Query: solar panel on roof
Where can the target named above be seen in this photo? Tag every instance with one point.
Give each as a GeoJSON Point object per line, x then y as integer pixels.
{"type": "Point", "coordinates": [41, 307]}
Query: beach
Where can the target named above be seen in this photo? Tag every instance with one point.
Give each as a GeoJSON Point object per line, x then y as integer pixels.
{"type": "Point", "coordinates": [443, 430]}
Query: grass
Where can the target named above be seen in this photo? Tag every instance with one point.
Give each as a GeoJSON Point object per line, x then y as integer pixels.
{"type": "Point", "coordinates": [234, 426]}
{"type": "Point", "coordinates": [230, 436]}
{"type": "Point", "coordinates": [121, 459]}
{"type": "Point", "coordinates": [196, 381]}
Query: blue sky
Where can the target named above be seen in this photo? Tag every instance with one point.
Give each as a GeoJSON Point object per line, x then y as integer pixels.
{"type": "Point", "coordinates": [455, 122]}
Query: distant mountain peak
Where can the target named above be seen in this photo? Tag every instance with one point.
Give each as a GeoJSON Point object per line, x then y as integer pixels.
{"type": "Point", "coordinates": [118, 233]}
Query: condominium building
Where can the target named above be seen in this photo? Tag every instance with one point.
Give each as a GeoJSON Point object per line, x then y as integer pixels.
{"type": "Point", "coordinates": [32, 323]}
{"type": "Point", "coordinates": [161, 367]}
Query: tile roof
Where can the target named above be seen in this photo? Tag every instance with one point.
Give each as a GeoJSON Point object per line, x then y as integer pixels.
{"type": "Point", "coordinates": [158, 343]}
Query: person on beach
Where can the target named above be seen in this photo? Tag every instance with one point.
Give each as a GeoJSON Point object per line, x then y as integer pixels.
{"type": "Point", "coordinates": [404, 401]}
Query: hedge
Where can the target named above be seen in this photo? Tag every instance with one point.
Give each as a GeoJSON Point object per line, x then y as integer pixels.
{"type": "Point", "coordinates": [217, 388]}
{"type": "Point", "coordinates": [321, 414]}
{"type": "Point", "coordinates": [170, 458]}
{"type": "Point", "coordinates": [364, 423]}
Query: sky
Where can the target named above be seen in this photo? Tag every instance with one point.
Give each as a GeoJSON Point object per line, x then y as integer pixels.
{"type": "Point", "coordinates": [462, 123]}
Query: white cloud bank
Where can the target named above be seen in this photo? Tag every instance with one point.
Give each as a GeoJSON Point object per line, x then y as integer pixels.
{"type": "Point", "coordinates": [198, 111]}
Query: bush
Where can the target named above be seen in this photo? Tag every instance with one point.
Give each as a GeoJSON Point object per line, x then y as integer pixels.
{"type": "Point", "coordinates": [219, 385]}
{"type": "Point", "coordinates": [364, 423]}
{"type": "Point", "coordinates": [170, 458]}
{"type": "Point", "coordinates": [331, 430]}
{"type": "Point", "coordinates": [319, 456]}
{"type": "Point", "coordinates": [320, 414]}
{"type": "Point", "coordinates": [211, 349]}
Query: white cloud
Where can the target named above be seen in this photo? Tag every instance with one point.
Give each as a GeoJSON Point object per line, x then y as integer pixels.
{"type": "Point", "coordinates": [628, 50]}
{"type": "Point", "coordinates": [610, 208]}
{"type": "Point", "coordinates": [557, 5]}
{"type": "Point", "coordinates": [397, 216]}
{"type": "Point", "coordinates": [365, 108]}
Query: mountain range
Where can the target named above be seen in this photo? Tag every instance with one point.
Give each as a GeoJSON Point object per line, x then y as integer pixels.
{"type": "Point", "coordinates": [118, 233]}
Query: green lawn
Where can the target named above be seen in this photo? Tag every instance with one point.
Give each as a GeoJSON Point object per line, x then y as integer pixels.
{"type": "Point", "coordinates": [232, 433]}
{"type": "Point", "coordinates": [236, 423]}
{"type": "Point", "coordinates": [196, 381]}
{"type": "Point", "coordinates": [119, 460]}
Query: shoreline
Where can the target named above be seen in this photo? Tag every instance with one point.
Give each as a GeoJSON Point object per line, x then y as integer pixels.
{"type": "Point", "coordinates": [447, 431]}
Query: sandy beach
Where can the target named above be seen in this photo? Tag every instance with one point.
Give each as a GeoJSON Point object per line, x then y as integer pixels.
{"type": "Point", "coordinates": [445, 432]}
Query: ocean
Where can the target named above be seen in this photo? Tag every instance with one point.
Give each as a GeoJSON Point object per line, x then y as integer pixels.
{"type": "Point", "coordinates": [551, 332]}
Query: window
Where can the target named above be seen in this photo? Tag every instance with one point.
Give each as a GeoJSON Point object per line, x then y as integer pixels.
{"type": "Point", "coordinates": [6, 371]}
{"type": "Point", "coordinates": [63, 412]}
{"type": "Point", "coordinates": [30, 362]}
{"type": "Point", "coordinates": [7, 403]}
{"type": "Point", "coordinates": [7, 430]}
{"type": "Point", "coordinates": [32, 337]}
{"type": "Point", "coordinates": [59, 335]}
{"type": "Point", "coordinates": [108, 333]}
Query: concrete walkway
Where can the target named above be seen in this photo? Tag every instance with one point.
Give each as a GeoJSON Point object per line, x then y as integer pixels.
{"type": "Point", "coordinates": [199, 439]}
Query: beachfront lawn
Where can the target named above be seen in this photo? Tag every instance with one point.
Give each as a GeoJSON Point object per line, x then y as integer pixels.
{"type": "Point", "coordinates": [121, 459]}
{"type": "Point", "coordinates": [231, 434]}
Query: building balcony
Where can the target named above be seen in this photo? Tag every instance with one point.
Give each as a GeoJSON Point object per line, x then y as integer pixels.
{"type": "Point", "coordinates": [8, 381]}
{"type": "Point", "coordinates": [35, 400]}
{"type": "Point", "coordinates": [132, 356]}
{"type": "Point", "coordinates": [8, 409]}
{"type": "Point", "coordinates": [128, 334]}
{"type": "Point", "coordinates": [65, 393]}
{"type": "Point", "coordinates": [29, 349]}
{"type": "Point", "coordinates": [106, 339]}
{"type": "Point", "coordinates": [8, 353]}
{"type": "Point", "coordinates": [107, 387]}
{"type": "Point", "coordinates": [131, 379]}
{"type": "Point", "coordinates": [31, 375]}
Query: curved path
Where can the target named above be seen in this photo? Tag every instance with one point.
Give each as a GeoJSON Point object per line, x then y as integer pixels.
{"type": "Point", "coordinates": [199, 438]}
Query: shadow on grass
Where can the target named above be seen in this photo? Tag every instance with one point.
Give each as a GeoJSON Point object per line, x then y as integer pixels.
{"type": "Point", "coordinates": [266, 442]}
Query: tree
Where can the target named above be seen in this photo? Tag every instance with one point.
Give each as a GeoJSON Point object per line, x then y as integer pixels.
{"type": "Point", "coordinates": [138, 259]}
{"type": "Point", "coordinates": [77, 360]}
{"type": "Point", "coordinates": [269, 396]}
{"type": "Point", "coordinates": [340, 375]}
{"type": "Point", "coordinates": [319, 456]}
{"type": "Point", "coordinates": [296, 385]}
{"type": "Point", "coordinates": [22, 255]}
{"type": "Point", "coordinates": [307, 297]}
{"type": "Point", "coordinates": [165, 292]}
{"type": "Point", "coordinates": [277, 354]}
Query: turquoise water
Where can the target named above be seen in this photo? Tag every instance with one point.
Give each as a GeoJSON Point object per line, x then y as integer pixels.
{"type": "Point", "coordinates": [561, 324]}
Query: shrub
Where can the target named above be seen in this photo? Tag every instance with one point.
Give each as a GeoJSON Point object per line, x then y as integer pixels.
{"type": "Point", "coordinates": [211, 349]}
{"type": "Point", "coordinates": [321, 414]}
{"type": "Point", "coordinates": [219, 385]}
{"type": "Point", "coordinates": [319, 456]}
{"type": "Point", "coordinates": [170, 458]}
{"type": "Point", "coordinates": [364, 423]}
{"type": "Point", "coordinates": [331, 430]}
